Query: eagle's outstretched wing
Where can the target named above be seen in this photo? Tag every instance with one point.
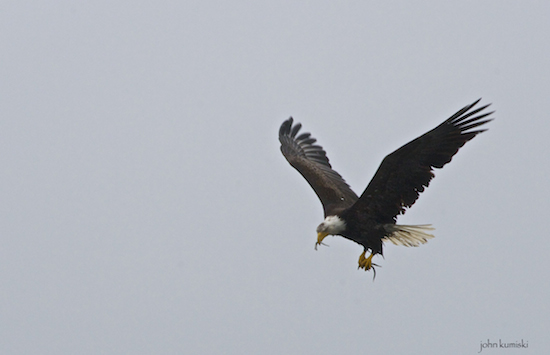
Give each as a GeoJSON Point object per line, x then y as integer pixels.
{"type": "Point", "coordinates": [312, 162]}
{"type": "Point", "coordinates": [405, 173]}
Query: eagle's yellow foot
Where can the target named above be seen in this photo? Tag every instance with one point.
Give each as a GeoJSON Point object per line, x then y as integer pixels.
{"type": "Point", "coordinates": [366, 263]}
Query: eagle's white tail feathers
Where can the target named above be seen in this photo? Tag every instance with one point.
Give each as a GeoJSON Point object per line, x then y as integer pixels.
{"type": "Point", "coordinates": [408, 235]}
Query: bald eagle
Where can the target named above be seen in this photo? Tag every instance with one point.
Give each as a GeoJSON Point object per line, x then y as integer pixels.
{"type": "Point", "coordinates": [370, 219]}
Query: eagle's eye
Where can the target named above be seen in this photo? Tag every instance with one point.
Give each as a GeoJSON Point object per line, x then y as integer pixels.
{"type": "Point", "coordinates": [321, 228]}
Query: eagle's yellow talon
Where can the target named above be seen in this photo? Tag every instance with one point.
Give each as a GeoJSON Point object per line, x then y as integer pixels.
{"type": "Point", "coordinates": [365, 263]}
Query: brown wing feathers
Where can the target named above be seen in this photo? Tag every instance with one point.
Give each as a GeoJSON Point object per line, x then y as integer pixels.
{"type": "Point", "coordinates": [405, 173]}
{"type": "Point", "coordinates": [312, 162]}
{"type": "Point", "coordinates": [402, 175]}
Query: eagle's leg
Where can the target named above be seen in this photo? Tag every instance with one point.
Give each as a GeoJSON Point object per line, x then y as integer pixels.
{"type": "Point", "coordinates": [365, 263]}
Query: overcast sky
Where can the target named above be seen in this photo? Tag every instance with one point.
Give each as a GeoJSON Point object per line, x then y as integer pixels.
{"type": "Point", "coordinates": [146, 207]}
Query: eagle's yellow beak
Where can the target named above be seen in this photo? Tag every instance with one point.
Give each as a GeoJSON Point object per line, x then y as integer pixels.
{"type": "Point", "coordinates": [320, 237]}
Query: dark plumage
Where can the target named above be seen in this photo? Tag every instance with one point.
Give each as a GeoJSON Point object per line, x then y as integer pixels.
{"type": "Point", "coordinates": [370, 219]}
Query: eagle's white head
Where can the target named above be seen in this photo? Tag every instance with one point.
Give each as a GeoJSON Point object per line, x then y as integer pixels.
{"type": "Point", "coordinates": [332, 225]}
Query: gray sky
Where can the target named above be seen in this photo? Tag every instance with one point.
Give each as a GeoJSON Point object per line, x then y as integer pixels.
{"type": "Point", "coordinates": [146, 208]}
